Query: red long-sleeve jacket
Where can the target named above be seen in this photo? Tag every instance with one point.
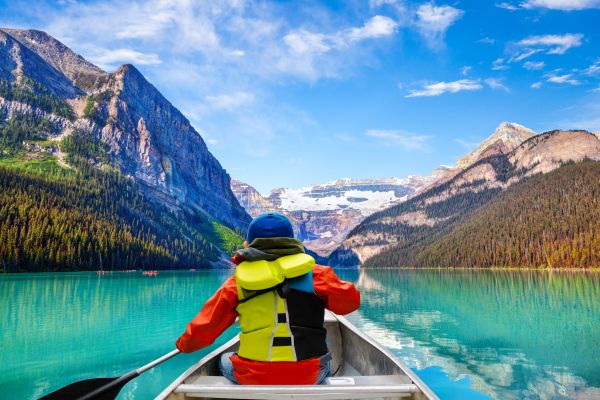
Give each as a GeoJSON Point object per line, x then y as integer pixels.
{"type": "Point", "coordinates": [219, 312]}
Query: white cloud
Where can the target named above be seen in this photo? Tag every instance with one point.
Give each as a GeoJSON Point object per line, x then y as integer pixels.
{"type": "Point", "coordinates": [379, 3]}
{"type": "Point", "coordinates": [311, 54]}
{"type": "Point", "coordinates": [496, 84]}
{"type": "Point", "coordinates": [487, 40]}
{"type": "Point", "coordinates": [109, 58]}
{"type": "Point", "coordinates": [593, 69]}
{"type": "Point", "coordinates": [531, 65]}
{"type": "Point", "coordinates": [536, 85]}
{"type": "Point", "coordinates": [230, 102]}
{"type": "Point", "coordinates": [525, 54]}
{"type": "Point", "coordinates": [307, 43]}
{"type": "Point", "coordinates": [313, 43]}
{"type": "Point", "coordinates": [565, 5]}
{"type": "Point", "coordinates": [551, 44]}
{"type": "Point", "coordinates": [433, 22]}
{"type": "Point", "coordinates": [563, 79]}
{"type": "Point", "coordinates": [507, 6]}
{"type": "Point", "coordinates": [378, 26]}
{"type": "Point", "coordinates": [498, 65]}
{"type": "Point", "coordinates": [466, 70]}
{"type": "Point", "coordinates": [403, 139]}
{"type": "Point", "coordinates": [439, 88]}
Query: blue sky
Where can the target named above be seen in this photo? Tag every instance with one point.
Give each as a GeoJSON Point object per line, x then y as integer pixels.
{"type": "Point", "coordinates": [291, 93]}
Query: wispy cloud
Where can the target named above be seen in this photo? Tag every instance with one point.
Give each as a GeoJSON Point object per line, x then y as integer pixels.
{"type": "Point", "coordinates": [304, 42]}
{"type": "Point", "coordinates": [565, 5]}
{"type": "Point", "coordinates": [531, 65]}
{"type": "Point", "coordinates": [304, 48]}
{"type": "Point", "coordinates": [548, 44]}
{"type": "Point", "coordinates": [507, 6]}
{"type": "Point", "coordinates": [400, 138]}
{"type": "Point", "coordinates": [565, 79]}
{"type": "Point", "coordinates": [439, 88]}
{"type": "Point", "coordinates": [487, 40]}
{"type": "Point", "coordinates": [499, 65]}
{"type": "Point", "coordinates": [593, 69]}
{"type": "Point", "coordinates": [496, 84]}
{"type": "Point", "coordinates": [108, 59]}
{"type": "Point", "coordinates": [536, 85]}
{"type": "Point", "coordinates": [433, 22]}
{"type": "Point", "coordinates": [465, 70]}
{"type": "Point", "coordinates": [230, 102]}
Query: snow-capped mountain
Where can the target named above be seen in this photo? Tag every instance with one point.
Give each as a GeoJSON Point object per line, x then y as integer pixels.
{"type": "Point", "coordinates": [323, 214]}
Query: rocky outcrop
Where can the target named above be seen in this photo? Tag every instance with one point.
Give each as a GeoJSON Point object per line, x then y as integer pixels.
{"type": "Point", "coordinates": [145, 135]}
{"type": "Point", "coordinates": [505, 138]}
{"type": "Point", "coordinates": [18, 62]}
{"type": "Point", "coordinates": [81, 72]}
{"type": "Point", "coordinates": [249, 198]}
{"type": "Point", "coordinates": [546, 152]}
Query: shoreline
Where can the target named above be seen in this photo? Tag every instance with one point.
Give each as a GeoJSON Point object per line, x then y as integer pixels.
{"type": "Point", "coordinates": [482, 269]}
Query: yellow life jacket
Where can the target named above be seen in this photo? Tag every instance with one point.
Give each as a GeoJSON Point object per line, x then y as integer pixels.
{"type": "Point", "coordinates": [280, 315]}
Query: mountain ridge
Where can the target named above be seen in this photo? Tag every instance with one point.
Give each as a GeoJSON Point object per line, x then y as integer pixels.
{"type": "Point", "coordinates": [322, 214]}
{"type": "Point", "coordinates": [148, 137]}
{"type": "Point", "coordinates": [449, 201]}
{"type": "Point", "coordinates": [60, 113]}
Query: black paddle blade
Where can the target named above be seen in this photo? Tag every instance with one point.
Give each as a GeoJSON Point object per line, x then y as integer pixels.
{"type": "Point", "coordinates": [79, 389]}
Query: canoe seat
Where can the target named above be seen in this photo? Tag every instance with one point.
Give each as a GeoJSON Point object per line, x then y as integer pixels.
{"type": "Point", "coordinates": [346, 387]}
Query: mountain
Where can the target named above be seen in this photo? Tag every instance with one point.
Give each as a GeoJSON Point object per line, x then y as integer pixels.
{"type": "Point", "coordinates": [83, 74]}
{"type": "Point", "coordinates": [323, 214]}
{"type": "Point", "coordinates": [252, 201]}
{"type": "Point", "coordinates": [446, 204]}
{"type": "Point", "coordinates": [505, 138]}
{"type": "Point", "coordinates": [57, 109]}
{"type": "Point", "coordinates": [545, 220]}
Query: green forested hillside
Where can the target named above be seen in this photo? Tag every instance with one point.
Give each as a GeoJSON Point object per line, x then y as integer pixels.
{"type": "Point", "coordinates": [549, 220]}
{"type": "Point", "coordinates": [53, 218]}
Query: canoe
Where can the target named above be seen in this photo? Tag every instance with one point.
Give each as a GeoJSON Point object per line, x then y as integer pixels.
{"type": "Point", "coordinates": [362, 370]}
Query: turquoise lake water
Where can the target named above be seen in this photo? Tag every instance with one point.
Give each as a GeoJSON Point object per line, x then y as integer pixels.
{"type": "Point", "coordinates": [468, 335]}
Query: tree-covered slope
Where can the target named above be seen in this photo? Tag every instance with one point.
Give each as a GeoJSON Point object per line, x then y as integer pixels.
{"type": "Point", "coordinates": [546, 220]}
{"type": "Point", "coordinates": [57, 219]}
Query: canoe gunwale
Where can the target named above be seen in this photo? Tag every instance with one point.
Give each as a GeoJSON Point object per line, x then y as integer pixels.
{"type": "Point", "coordinates": [190, 371]}
{"type": "Point", "coordinates": [423, 391]}
{"type": "Point", "coordinates": [400, 364]}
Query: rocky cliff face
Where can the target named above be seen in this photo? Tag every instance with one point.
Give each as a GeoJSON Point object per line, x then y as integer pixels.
{"type": "Point", "coordinates": [18, 62]}
{"type": "Point", "coordinates": [145, 135]}
{"type": "Point", "coordinates": [83, 74]}
{"type": "Point", "coordinates": [451, 198]}
{"type": "Point", "coordinates": [323, 214]}
{"type": "Point", "coordinates": [249, 198]}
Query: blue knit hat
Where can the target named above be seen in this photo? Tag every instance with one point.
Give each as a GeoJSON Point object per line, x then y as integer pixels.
{"type": "Point", "coordinates": [269, 225]}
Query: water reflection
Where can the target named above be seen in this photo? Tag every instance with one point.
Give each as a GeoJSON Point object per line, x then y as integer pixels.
{"type": "Point", "coordinates": [56, 328]}
{"type": "Point", "coordinates": [517, 335]}
{"type": "Point", "coordinates": [509, 335]}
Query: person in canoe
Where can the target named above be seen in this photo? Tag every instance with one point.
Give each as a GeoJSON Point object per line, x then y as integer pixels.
{"type": "Point", "coordinates": [280, 295]}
